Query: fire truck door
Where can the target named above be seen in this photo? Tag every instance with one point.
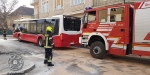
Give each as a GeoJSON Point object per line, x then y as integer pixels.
{"type": "Point", "coordinates": [118, 29]}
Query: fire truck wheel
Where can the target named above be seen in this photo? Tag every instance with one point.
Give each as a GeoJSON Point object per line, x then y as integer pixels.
{"type": "Point", "coordinates": [40, 42]}
{"type": "Point", "coordinates": [97, 50]}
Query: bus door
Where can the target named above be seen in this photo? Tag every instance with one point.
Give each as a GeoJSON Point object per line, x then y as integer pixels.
{"type": "Point", "coordinates": [32, 36]}
{"type": "Point", "coordinates": [72, 26]}
{"type": "Point", "coordinates": [119, 29]}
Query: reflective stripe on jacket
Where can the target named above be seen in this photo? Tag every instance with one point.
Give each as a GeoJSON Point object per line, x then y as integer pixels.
{"type": "Point", "coordinates": [48, 41]}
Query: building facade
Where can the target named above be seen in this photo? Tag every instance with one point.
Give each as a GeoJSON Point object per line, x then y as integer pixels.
{"type": "Point", "coordinates": [48, 8]}
{"type": "Point", "coordinates": [22, 12]}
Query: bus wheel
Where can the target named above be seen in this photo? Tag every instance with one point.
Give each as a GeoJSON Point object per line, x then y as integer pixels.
{"type": "Point", "coordinates": [97, 50]}
{"type": "Point", "coordinates": [40, 42]}
{"type": "Point", "coordinates": [19, 38]}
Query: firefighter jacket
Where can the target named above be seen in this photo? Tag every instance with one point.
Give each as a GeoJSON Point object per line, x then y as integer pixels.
{"type": "Point", "coordinates": [48, 42]}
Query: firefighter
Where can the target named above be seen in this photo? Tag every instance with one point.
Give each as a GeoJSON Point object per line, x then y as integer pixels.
{"type": "Point", "coordinates": [48, 46]}
{"type": "Point", "coordinates": [4, 34]}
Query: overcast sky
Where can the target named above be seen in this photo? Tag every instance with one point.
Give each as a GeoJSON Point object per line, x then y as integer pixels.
{"type": "Point", "coordinates": [24, 2]}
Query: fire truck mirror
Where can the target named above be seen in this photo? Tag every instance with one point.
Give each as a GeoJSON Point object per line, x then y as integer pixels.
{"type": "Point", "coordinates": [85, 21]}
{"type": "Point", "coordinates": [83, 18]}
{"type": "Point", "coordinates": [85, 25]}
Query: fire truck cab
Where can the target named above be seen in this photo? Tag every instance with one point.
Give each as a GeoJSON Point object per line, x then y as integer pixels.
{"type": "Point", "coordinates": [117, 29]}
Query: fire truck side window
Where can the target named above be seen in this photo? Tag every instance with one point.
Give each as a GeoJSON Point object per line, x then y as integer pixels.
{"type": "Point", "coordinates": [91, 16]}
{"type": "Point", "coordinates": [103, 16]}
{"type": "Point", "coordinates": [116, 14]}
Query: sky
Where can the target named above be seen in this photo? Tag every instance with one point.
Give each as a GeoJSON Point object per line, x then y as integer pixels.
{"type": "Point", "coordinates": [24, 2]}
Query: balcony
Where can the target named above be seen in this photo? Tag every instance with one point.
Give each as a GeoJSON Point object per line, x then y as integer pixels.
{"type": "Point", "coordinates": [33, 2]}
{"type": "Point", "coordinates": [97, 3]}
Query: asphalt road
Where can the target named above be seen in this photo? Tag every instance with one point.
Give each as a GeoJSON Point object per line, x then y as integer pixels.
{"type": "Point", "coordinates": [76, 61]}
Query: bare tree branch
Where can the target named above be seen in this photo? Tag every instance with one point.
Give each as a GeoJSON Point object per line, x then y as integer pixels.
{"type": "Point", "coordinates": [6, 7]}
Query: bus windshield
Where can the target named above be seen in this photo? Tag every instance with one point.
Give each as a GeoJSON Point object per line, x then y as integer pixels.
{"type": "Point", "coordinates": [71, 23]}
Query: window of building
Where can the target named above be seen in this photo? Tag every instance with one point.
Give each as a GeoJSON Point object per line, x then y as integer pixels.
{"type": "Point", "coordinates": [103, 16]}
{"type": "Point", "coordinates": [75, 2]}
{"type": "Point", "coordinates": [59, 4]}
{"type": "Point", "coordinates": [116, 14]}
{"type": "Point", "coordinates": [45, 7]}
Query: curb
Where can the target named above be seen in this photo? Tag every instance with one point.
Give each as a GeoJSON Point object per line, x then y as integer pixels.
{"type": "Point", "coordinates": [23, 71]}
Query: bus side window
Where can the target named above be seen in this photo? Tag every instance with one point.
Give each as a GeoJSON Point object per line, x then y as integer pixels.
{"type": "Point", "coordinates": [56, 27]}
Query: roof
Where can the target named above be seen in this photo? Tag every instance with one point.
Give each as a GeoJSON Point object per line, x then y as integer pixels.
{"type": "Point", "coordinates": [22, 10]}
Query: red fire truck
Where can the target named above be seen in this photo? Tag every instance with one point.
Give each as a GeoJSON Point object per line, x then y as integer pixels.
{"type": "Point", "coordinates": [122, 29]}
{"type": "Point", "coordinates": [66, 30]}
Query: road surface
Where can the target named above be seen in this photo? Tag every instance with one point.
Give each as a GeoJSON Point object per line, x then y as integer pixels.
{"type": "Point", "coordinates": [76, 61]}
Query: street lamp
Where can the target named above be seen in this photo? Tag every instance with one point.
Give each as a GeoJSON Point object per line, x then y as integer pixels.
{"type": "Point", "coordinates": [124, 1]}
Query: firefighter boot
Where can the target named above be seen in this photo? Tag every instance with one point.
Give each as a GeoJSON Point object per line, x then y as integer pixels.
{"type": "Point", "coordinates": [5, 38]}
{"type": "Point", "coordinates": [50, 64]}
{"type": "Point", "coordinates": [45, 61]}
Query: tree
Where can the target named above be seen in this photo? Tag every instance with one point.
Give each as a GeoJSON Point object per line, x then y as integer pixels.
{"type": "Point", "coordinates": [6, 7]}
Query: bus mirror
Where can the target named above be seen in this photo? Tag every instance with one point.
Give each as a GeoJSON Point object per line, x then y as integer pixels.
{"type": "Point", "coordinates": [53, 19]}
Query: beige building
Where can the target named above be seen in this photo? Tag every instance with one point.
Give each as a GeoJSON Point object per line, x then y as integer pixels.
{"type": "Point", "coordinates": [48, 8]}
{"type": "Point", "coordinates": [22, 12]}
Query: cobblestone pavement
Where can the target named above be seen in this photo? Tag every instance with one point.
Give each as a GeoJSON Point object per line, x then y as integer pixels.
{"type": "Point", "coordinates": [76, 61]}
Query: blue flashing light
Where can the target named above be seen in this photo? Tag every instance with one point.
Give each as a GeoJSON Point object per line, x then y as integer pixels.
{"type": "Point", "coordinates": [87, 8]}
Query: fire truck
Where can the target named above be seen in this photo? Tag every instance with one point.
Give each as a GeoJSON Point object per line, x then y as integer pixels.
{"type": "Point", "coordinates": [122, 29]}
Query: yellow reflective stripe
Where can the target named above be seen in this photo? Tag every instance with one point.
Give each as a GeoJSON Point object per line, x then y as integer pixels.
{"type": "Point", "coordinates": [47, 47]}
{"type": "Point", "coordinates": [52, 43]}
{"type": "Point", "coordinates": [50, 38]}
{"type": "Point", "coordinates": [46, 34]}
{"type": "Point", "coordinates": [46, 59]}
{"type": "Point", "coordinates": [46, 41]}
{"type": "Point", "coordinates": [49, 60]}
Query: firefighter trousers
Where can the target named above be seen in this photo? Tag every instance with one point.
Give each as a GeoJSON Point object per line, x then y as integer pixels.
{"type": "Point", "coordinates": [48, 54]}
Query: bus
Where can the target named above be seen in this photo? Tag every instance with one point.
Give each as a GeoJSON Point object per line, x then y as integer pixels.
{"type": "Point", "coordinates": [66, 30]}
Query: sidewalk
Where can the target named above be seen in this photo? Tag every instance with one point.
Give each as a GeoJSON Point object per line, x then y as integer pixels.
{"type": "Point", "coordinates": [4, 66]}
{"type": "Point", "coordinates": [7, 36]}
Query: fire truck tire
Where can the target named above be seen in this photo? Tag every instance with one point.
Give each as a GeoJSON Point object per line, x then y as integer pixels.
{"type": "Point", "coordinates": [19, 38]}
{"type": "Point", "coordinates": [40, 42]}
{"type": "Point", "coordinates": [97, 50]}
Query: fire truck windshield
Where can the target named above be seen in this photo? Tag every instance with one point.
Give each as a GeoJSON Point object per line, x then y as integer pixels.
{"type": "Point", "coordinates": [89, 17]}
